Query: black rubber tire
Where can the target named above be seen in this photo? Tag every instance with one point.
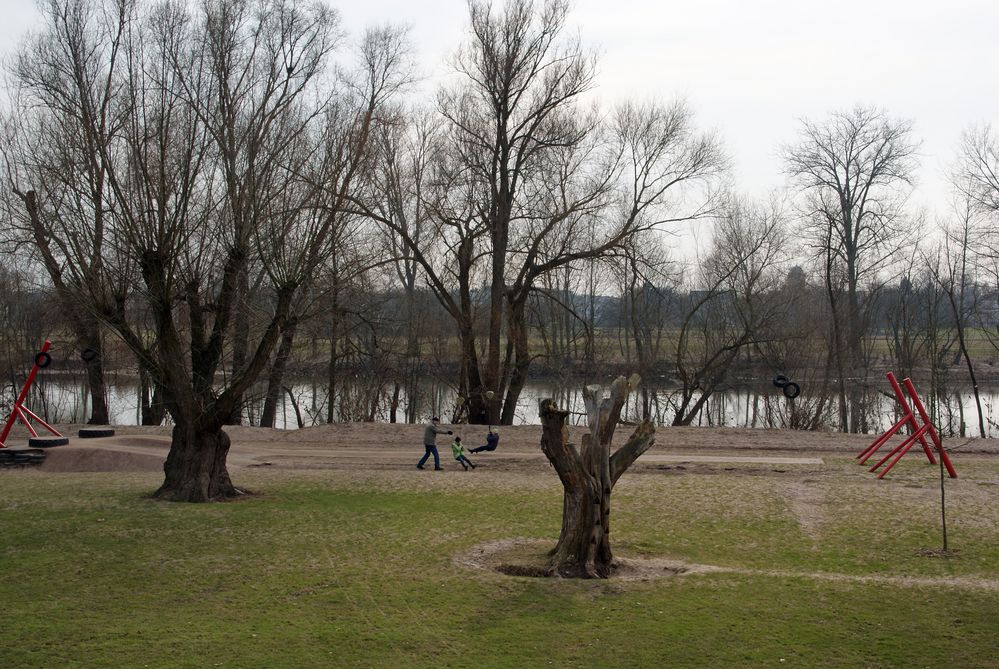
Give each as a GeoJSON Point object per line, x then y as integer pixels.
{"type": "Point", "coordinates": [47, 442]}
{"type": "Point", "coordinates": [95, 432]}
{"type": "Point", "coordinates": [88, 354]}
{"type": "Point", "coordinates": [43, 360]}
{"type": "Point", "coordinates": [792, 390]}
{"type": "Point", "coordinates": [780, 380]}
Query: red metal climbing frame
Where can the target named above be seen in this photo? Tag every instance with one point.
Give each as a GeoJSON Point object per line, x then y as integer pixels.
{"type": "Point", "coordinates": [23, 412]}
{"type": "Point", "coordinates": [918, 432]}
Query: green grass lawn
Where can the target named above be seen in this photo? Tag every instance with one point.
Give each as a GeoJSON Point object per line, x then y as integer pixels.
{"type": "Point", "coordinates": [332, 569]}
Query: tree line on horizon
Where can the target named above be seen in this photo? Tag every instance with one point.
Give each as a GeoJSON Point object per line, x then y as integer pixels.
{"type": "Point", "coordinates": [230, 187]}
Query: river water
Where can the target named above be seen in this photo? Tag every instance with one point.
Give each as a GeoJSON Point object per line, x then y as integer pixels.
{"type": "Point", "coordinates": [756, 405]}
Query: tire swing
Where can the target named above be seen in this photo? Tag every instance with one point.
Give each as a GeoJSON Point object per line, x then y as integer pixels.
{"type": "Point", "coordinates": [47, 442]}
{"type": "Point", "coordinates": [787, 386]}
{"type": "Point", "coordinates": [95, 432]}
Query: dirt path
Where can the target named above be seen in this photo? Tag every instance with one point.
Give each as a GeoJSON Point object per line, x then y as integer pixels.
{"type": "Point", "coordinates": [396, 446]}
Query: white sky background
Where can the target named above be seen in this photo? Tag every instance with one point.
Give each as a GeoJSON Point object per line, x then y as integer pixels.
{"type": "Point", "coordinates": [750, 69]}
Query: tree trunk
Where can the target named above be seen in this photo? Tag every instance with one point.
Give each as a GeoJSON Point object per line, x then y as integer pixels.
{"type": "Point", "coordinates": [276, 377]}
{"type": "Point", "coordinates": [195, 469]}
{"type": "Point", "coordinates": [522, 360]}
{"type": "Point", "coordinates": [480, 408]}
{"type": "Point", "coordinates": [588, 477]}
{"type": "Point", "coordinates": [90, 339]}
{"type": "Point", "coordinates": [583, 549]}
{"type": "Point", "coordinates": [240, 340]}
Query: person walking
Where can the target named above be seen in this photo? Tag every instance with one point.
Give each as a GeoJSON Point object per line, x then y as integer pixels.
{"type": "Point", "coordinates": [492, 441]}
{"type": "Point", "coordinates": [459, 454]}
{"type": "Point", "coordinates": [430, 432]}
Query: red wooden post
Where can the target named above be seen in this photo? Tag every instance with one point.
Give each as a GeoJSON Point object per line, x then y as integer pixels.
{"type": "Point", "coordinates": [912, 419]}
{"type": "Point", "coordinates": [907, 417]}
{"type": "Point", "coordinates": [898, 452]}
{"type": "Point", "coordinates": [919, 429]}
{"type": "Point", "coordinates": [933, 433]}
{"type": "Point", "coordinates": [865, 455]}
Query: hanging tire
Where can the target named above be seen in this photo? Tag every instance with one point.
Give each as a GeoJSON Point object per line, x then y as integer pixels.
{"type": "Point", "coordinates": [88, 354]}
{"type": "Point", "coordinates": [43, 360]}
{"type": "Point", "coordinates": [95, 432]}
{"type": "Point", "coordinates": [47, 442]}
{"type": "Point", "coordinates": [780, 380]}
{"type": "Point", "coordinates": [791, 390]}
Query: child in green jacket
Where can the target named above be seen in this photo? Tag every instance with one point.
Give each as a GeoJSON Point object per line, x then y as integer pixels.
{"type": "Point", "coordinates": [459, 454]}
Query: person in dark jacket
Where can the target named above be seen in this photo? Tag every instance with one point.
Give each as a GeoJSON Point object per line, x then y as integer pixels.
{"type": "Point", "coordinates": [430, 432]}
{"type": "Point", "coordinates": [492, 441]}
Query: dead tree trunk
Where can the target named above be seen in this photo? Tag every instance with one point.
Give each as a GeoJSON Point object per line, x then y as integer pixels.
{"type": "Point", "coordinates": [588, 477]}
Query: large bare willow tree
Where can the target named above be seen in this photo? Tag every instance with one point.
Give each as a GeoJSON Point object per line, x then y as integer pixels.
{"type": "Point", "coordinates": [529, 179]}
{"type": "Point", "coordinates": [231, 147]}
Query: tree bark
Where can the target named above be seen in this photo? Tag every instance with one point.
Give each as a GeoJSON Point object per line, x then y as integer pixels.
{"type": "Point", "coordinates": [195, 469]}
{"type": "Point", "coordinates": [517, 329]}
{"type": "Point", "coordinates": [588, 478]}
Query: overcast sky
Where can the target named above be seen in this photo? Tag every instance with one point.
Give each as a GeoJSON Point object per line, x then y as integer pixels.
{"type": "Point", "coordinates": [751, 68]}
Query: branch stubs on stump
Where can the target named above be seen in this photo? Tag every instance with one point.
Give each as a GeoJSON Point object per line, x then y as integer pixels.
{"type": "Point", "coordinates": [588, 476]}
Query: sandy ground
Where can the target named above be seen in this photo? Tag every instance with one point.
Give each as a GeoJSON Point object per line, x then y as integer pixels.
{"type": "Point", "coordinates": [397, 447]}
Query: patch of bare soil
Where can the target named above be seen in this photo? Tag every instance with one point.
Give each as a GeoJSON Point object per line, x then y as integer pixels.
{"type": "Point", "coordinates": [141, 452]}
{"type": "Point", "coordinates": [529, 557]}
{"type": "Point", "coordinates": [83, 459]}
{"type": "Point", "coordinates": [807, 504]}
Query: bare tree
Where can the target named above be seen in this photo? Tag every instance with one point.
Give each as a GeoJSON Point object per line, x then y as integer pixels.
{"type": "Point", "coordinates": [957, 280]}
{"type": "Point", "coordinates": [976, 172]}
{"type": "Point", "coordinates": [739, 309]}
{"type": "Point", "coordinates": [854, 170]}
{"type": "Point", "coordinates": [650, 303]}
{"type": "Point", "coordinates": [406, 147]}
{"type": "Point", "coordinates": [231, 154]}
{"type": "Point", "coordinates": [530, 182]}
{"type": "Point", "coordinates": [975, 177]}
{"type": "Point", "coordinates": [65, 116]}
